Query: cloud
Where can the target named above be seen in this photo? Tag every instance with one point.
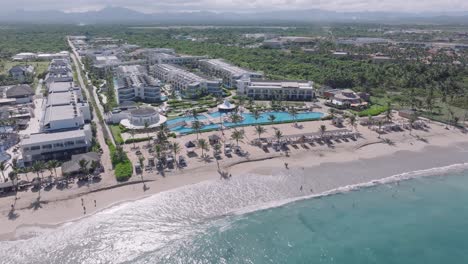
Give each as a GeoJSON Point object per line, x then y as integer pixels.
{"type": "Point", "coordinates": [240, 5]}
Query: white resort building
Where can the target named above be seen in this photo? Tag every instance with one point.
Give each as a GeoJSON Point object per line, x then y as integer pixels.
{"type": "Point", "coordinates": [63, 127]}
{"type": "Point", "coordinates": [189, 84]}
{"type": "Point", "coordinates": [133, 84]}
{"type": "Point", "coordinates": [286, 90]}
{"type": "Point", "coordinates": [137, 118]}
{"type": "Point", "coordinates": [228, 72]}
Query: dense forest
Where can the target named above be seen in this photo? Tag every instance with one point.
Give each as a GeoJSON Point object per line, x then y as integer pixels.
{"type": "Point", "coordinates": [407, 81]}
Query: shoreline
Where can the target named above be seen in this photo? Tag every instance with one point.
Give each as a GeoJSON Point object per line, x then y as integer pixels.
{"type": "Point", "coordinates": [318, 163]}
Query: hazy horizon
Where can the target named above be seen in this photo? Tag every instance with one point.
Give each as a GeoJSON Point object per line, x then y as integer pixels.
{"type": "Point", "coordinates": [146, 6]}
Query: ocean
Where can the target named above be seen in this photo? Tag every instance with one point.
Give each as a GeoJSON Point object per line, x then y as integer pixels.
{"type": "Point", "coordinates": [270, 219]}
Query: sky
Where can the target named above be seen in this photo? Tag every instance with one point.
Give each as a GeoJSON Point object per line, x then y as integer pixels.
{"type": "Point", "coordinates": [153, 6]}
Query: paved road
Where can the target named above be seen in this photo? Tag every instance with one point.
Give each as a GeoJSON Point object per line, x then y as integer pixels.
{"type": "Point", "coordinates": [105, 159]}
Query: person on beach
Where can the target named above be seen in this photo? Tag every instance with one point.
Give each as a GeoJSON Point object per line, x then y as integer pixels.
{"type": "Point", "coordinates": [286, 165]}
{"type": "Point", "coordinates": [94, 203]}
{"type": "Point", "coordinates": [301, 188]}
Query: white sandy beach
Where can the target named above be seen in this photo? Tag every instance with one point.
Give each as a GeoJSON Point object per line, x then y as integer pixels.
{"type": "Point", "coordinates": [342, 164]}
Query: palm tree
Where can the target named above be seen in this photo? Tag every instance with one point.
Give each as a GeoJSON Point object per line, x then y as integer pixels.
{"type": "Point", "coordinates": [217, 147]}
{"type": "Point", "coordinates": [352, 121]}
{"type": "Point", "coordinates": [54, 164]}
{"type": "Point", "coordinates": [2, 169]}
{"type": "Point", "coordinates": [194, 113]}
{"type": "Point", "coordinates": [37, 167]}
{"type": "Point", "coordinates": [197, 126]}
{"type": "Point", "coordinates": [175, 147]}
{"type": "Point", "coordinates": [256, 115]}
{"type": "Point", "coordinates": [158, 151]}
{"type": "Point", "coordinates": [388, 113]}
{"type": "Point", "coordinates": [93, 166]}
{"type": "Point", "coordinates": [259, 130]}
{"type": "Point", "coordinates": [412, 119]}
{"type": "Point", "coordinates": [293, 113]}
{"type": "Point", "coordinates": [147, 132]}
{"type": "Point", "coordinates": [83, 166]}
{"type": "Point", "coordinates": [236, 119]}
{"type": "Point", "coordinates": [271, 118]}
{"type": "Point", "coordinates": [49, 166]}
{"type": "Point", "coordinates": [278, 135]}
{"type": "Point", "coordinates": [380, 124]}
{"type": "Point", "coordinates": [203, 145]}
{"type": "Point", "coordinates": [237, 135]}
{"type": "Point", "coordinates": [132, 134]}
{"type": "Point", "coordinates": [322, 130]}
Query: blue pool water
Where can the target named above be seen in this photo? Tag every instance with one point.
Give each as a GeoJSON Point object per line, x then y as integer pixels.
{"type": "Point", "coordinates": [248, 120]}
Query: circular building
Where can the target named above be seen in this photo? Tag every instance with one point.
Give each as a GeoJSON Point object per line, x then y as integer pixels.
{"type": "Point", "coordinates": [226, 106]}
{"type": "Point", "coordinates": [138, 118]}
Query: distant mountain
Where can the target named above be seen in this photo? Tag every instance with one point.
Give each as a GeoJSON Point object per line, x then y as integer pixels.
{"type": "Point", "coordinates": [124, 15]}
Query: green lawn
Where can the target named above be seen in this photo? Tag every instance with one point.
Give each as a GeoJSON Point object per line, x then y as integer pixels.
{"type": "Point", "coordinates": [116, 133]}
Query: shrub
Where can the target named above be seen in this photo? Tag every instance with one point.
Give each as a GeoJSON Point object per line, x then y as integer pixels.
{"type": "Point", "coordinates": [373, 111]}
{"type": "Point", "coordinates": [116, 134]}
{"type": "Point", "coordinates": [123, 170]}
{"type": "Point", "coordinates": [136, 140]}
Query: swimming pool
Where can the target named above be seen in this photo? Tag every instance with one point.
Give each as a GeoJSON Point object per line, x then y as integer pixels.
{"type": "Point", "coordinates": [248, 119]}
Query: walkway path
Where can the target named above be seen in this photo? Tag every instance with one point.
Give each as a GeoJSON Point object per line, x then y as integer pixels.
{"type": "Point", "coordinates": [105, 158]}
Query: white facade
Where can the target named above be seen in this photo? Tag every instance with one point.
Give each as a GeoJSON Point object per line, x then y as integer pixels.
{"type": "Point", "coordinates": [188, 83]}
{"type": "Point", "coordinates": [133, 84]}
{"type": "Point", "coordinates": [46, 146]}
{"type": "Point", "coordinates": [227, 71]}
{"type": "Point", "coordinates": [287, 90]}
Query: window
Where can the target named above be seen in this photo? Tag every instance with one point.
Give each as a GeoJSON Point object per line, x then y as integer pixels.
{"type": "Point", "coordinates": [48, 146]}
{"type": "Point", "coordinates": [80, 142]}
{"type": "Point", "coordinates": [35, 147]}
{"type": "Point", "coordinates": [58, 145]}
{"type": "Point", "coordinates": [69, 143]}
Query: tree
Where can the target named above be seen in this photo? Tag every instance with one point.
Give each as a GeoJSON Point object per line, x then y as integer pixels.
{"type": "Point", "coordinates": [380, 124]}
{"type": "Point", "coordinates": [259, 130]}
{"type": "Point", "coordinates": [217, 147]}
{"type": "Point", "coordinates": [175, 147]}
{"type": "Point", "coordinates": [83, 166]}
{"type": "Point", "coordinates": [256, 115]}
{"type": "Point", "coordinates": [388, 113]}
{"type": "Point", "coordinates": [322, 130]}
{"type": "Point", "coordinates": [278, 135]}
{"type": "Point", "coordinates": [352, 121]}
{"type": "Point", "coordinates": [194, 113]}
{"type": "Point", "coordinates": [37, 167]}
{"type": "Point", "coordinates": [237, 135]}
{"type": "Point", "coordinates": [93, 166]}
{"type": "Point", "coordinates": [412, 119]}
{"type": "Point", "coordinates": [132, 134]}
{"type": "Point", "coordinates": [147, 132]}
{"type": "Point", "coordinates": [2, 169]}
{"type": "Point", "coordinates": [51, 165]}
{"type": "Point", "coordinates": [197, 126]}
{"type": "Point", "coordinates": [293, 112]}
{"type": "Point", "coordinates": [271, 118]}
{"type": "Point", "coordinates": [236, 119]}
{"type": "Point", "coordinates": [203, 145]}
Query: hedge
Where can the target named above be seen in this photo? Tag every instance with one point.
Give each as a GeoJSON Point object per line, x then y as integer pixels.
{"type": "Point", "coordinates": [373, 111]}
{"type": "Point", "coordinates": [136, 140]}
{"type": "Point", "coordinates": [123, 170]}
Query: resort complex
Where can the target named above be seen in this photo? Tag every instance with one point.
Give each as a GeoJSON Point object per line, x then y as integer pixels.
{"type": "Point", "coordinates": [156, 137]}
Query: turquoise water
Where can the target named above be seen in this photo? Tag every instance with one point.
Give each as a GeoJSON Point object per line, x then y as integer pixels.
{"type": "Point", "coordinates": [248, 119]}
{"type": "Point", "coordinates": [418, 221]}
{"type": "Point", "coordinates": [252, 219]}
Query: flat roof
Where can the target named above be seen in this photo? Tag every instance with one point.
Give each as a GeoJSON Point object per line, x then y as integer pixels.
{"type": "Point", "coordinates": [60, 112]}
{"type": "Point", "coordinates": [60, 86]}
{"type": "Point", "coordinates": [47, 137]}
